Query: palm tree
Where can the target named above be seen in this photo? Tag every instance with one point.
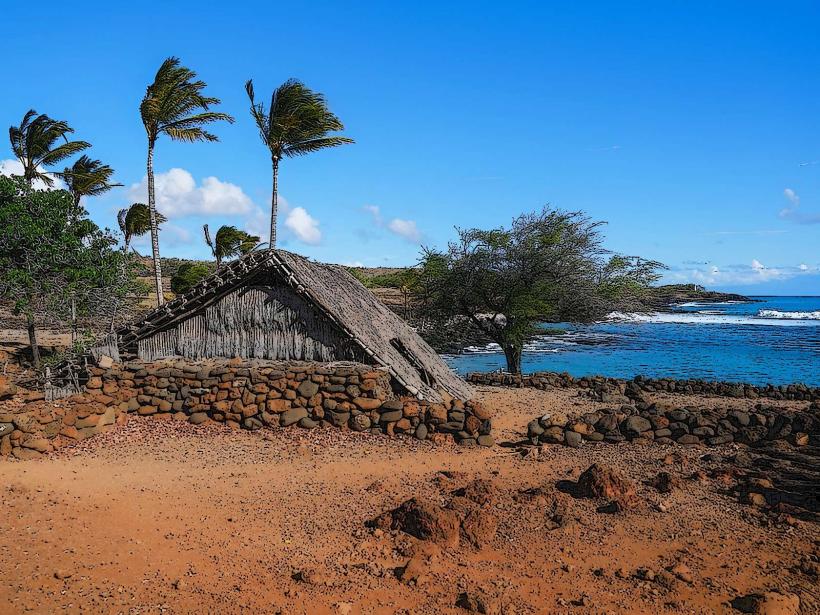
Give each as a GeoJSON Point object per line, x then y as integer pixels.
{"type": "Point", "coordinates": [35, 143]}
{"type": "Point", "coordinates": [135, 221]}
{"type": "Point", "coordinates": [229, 242]}
{"type": "Point", "coordinates": [298, 122]}
{"type": "Point", "coordinates": [87, 177]}
{"type": "Point", "coordinates": [169, 107]}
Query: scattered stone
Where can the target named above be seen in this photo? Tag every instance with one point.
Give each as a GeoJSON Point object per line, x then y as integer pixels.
{"type": "Point", "coordinates": [422, 519]}
{"type": "Point", "coordinates": [475, 602]}
{"type": "Point", "coordinates": [311, 576]}
{"type": "Point", "coordinates": [664, 482]}
{"type": "Point", "coordinates": [602, 482]}
{"type": "Point", "coordinates": [768, 603]}
{"type": "Point", "coordinates": [682, 572]}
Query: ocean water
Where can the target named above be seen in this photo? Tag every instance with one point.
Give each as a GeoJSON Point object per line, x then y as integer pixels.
{"type": "Point", "coordinates": [775, 340]}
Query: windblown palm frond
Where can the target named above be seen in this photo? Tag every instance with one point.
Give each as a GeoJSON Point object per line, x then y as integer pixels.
{"type": "Point", "coordinates": [35, 143]}
{"type": "Point", "coordinates": [229, 242]}
{"type": "Point", "coordinates": [87, 177]}
{"type": "Point", "coordinates": [297, 122]}
{"type": "Point", "coordinates": [170, 102]}
{"type": "Point", "coordinates": [135, 221]}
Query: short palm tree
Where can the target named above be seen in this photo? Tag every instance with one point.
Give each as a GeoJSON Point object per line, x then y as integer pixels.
{"type": "Point", "coordinates": [229, 242]}
{"type": "Point", "coordinates": [40, 142]}
{"type": "Point", "coordinates": [135, 221]}
{"type": "Point", "coordinates": [174, 105]}
{"type": "Point", "coordinates": [87, 177]}
{"type": "Point", "coordinates": [297, 122]}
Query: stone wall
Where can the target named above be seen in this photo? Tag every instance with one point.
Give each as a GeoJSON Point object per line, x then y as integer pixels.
{"type": "Point", "coordinates": [666, 422]}
{"type": "Point", "coordinates": [241, 394]}
{"type": "Point", "coordinates": [613, 390]}
{"type": "Point", "coordinates": [31, 426]}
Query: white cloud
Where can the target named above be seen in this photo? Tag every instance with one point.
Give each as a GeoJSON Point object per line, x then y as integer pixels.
{"type": "Point", "coordinates": [405, 228]}
{"type": "Point", "coordinates": [755, 273]}
{"type": "Point", "coordinates": [374, 211]}
{"type": "Point", "coordinates": [12, 166]}
{"type": "Point", "coordinates": [177, 195]}
{"type": "Point", "coordinates": [792, 211]}
{"type": "Point", "coordinates": [303, 226]}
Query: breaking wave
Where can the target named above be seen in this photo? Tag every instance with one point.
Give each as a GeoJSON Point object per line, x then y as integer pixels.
{"type": "Point", "coordinates": [789, 315]}
{"type": "Point", "coordinates": [773, 318]}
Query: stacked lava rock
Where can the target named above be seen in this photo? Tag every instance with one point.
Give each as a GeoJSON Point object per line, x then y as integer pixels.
{"type": "Point", "coordinates": [31, 426]}
{"type": "Point", "coordinates": [665, 423]}
{"type": "Point", "coordinates": [253, 394]}
{"type": "Point", "coordinates": [615, 390]}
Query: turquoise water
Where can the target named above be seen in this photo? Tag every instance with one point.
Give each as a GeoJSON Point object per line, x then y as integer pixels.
{"type": "Point", "coordinates": [774, 340]}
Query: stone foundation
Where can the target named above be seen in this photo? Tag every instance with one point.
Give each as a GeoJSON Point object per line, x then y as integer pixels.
{"type": "Point", "coordinates": [240, 394]}
{"type": "Point", "coordinates": [615, 390]}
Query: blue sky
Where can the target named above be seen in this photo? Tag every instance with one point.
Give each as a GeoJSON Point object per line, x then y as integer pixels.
{"type": "Point", "coordinates": [692, 128]}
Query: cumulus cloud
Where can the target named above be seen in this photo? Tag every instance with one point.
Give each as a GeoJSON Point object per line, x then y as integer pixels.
{"type": "Point", "coordinates": [304, 226]}
{"type": "Point", "coordinates": [792, 210]}
{"type": "Point", "coordinates": [12, 166]}
{"type": "Point", "coordinates": [178, 195]}
{"type": "Point", "coordinates": [754, 273]}
{"type": "Point", "coordinates": [403, 228]}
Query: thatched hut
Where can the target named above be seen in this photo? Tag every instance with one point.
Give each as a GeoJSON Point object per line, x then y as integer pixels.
{"type": "Point", "coordinates": [276, 305]}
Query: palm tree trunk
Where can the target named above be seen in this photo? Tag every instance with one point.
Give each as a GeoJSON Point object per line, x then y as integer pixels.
{"type": "Point", "coordinates": [32, 340]}
{"type": "Point", "coordinates": [274, 205]}
{"type": "Point", "coordinates": [152, 211]}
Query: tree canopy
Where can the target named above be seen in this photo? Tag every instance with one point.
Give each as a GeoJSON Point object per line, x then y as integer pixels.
{"type": "Point", "coordinates": [54, 259]}
{"type": "Point", "coordinates": [547, 266]}
{"type": "Point", "coordinates": [188, 275]}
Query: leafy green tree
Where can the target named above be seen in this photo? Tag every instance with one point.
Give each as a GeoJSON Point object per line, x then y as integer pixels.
{"type": "Point", "coordinates": [229, 242]}
{"type": "Point", "coordinates": [54, 262]}
{"type": "Point", "coordinates": [297, 122]}
{"type": "Point", "coordinates": [40, 142]}
{"type": "Point", "coordinates": [87, 177]}
{"type": "Point", "coordinates": [189, 275]}
{"type": "Point", "coordinates": [548, 266]}
{"type": "Point", "coordinates": [175, 106]}
{"type": "Point", "coordinates": [135, 221]}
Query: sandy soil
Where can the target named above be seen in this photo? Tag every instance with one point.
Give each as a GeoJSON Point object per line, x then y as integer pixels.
{"type": "Point", "coordinates": [164, 517]}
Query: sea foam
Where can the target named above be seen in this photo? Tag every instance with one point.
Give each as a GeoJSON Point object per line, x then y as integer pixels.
{"type": "Point", "coordinates": [789, 315]}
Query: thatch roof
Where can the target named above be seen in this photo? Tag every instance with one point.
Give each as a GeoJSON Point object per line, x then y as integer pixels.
{"type": "Point", "coordinates": [381, 334]}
